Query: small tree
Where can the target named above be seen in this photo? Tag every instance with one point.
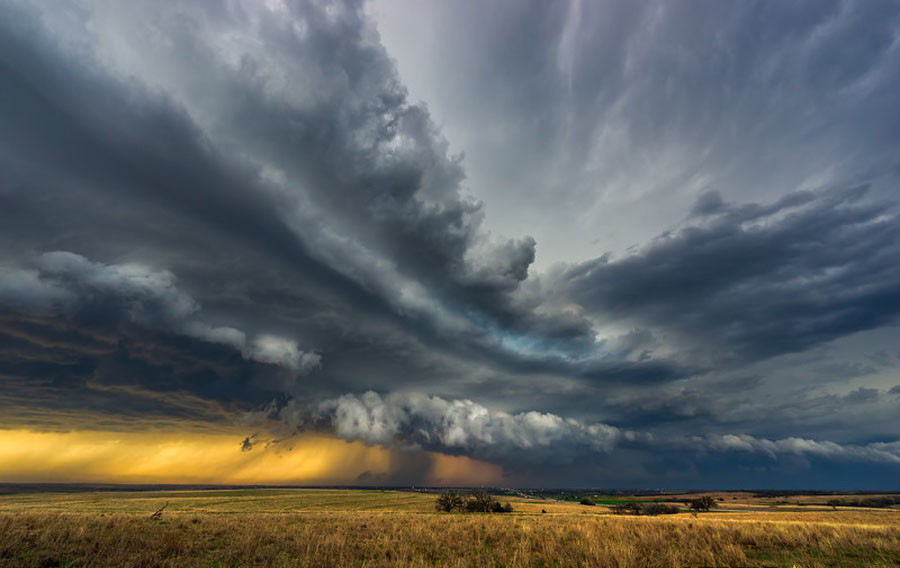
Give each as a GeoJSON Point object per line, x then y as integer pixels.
{"type": "Point", "coordinates": [704, 503]}
{"type": "Point", "coordinates": [587, 501]}
{"type": "Point", "coordinates": [480, 502]}
{"type": "Point", "coordinates": [450, 501]}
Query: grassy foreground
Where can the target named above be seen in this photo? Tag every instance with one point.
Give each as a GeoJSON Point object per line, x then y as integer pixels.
{"type": "Point", "coordinates": [374, 528]}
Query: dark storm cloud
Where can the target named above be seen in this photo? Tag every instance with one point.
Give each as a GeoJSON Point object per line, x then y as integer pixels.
{"type": "Point", "coordinates": [58, 374]}
{"type": "Point", "coordinates": [365, 159]}
{"type": "Point", "coordinates": [756, 281]}
{"type": "Point", "coordinates": [195, 225]}
{"type": "Point", "coordinates": [410, 244]}
{"type": "Point", "coordinates": [851, 416]}
{"type": "Point", "coordinates": [64, 283]}
{"type": "Point", "coordinates": [213, 213]}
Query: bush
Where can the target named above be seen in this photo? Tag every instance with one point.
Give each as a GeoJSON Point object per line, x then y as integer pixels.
{"type": "Point", "coordinates": [477, 502]}
{"type": "Point", "coordinates": [645, 509]}
{"type": "Point", "coordinates": [659, 509]}
{"type": "Point", "coordinates": [496, 507]}
{"type": "Point", "coordinates": [587, 501]}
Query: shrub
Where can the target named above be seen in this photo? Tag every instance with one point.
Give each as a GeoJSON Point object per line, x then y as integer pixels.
{"type": "Point", "coordinates": [587, 501]}
{"type": "Point", "coordinates": [645, 509]}
{"type": "Point", "coordinates": [659, 509]}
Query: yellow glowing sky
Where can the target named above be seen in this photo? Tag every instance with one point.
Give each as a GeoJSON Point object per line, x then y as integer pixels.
{"type": "Point", "coordinates": [213, 458]}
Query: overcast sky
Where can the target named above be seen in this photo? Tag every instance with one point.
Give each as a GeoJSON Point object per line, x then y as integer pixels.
{"type": "Point", "coordinates": [608, 243]}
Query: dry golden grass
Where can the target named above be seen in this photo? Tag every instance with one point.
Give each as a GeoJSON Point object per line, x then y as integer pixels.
{"type": "Point", "coordinates": [357, 528]}
{"type": "Point", "coordinates": [223, 501]}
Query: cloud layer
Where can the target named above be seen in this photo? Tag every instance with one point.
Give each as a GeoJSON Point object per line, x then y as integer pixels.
{"type": "Point", "coordinates": [640, 238]}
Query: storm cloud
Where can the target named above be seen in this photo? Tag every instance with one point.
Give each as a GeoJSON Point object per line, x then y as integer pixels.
{"type": "Point", "coordinates": [644, 238]}
{"type": "Point", "coordinates": [63, 283]}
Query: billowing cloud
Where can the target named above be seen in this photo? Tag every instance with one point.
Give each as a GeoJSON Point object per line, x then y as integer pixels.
{"type": "Point", "coordinates": [284, 352]}
{"type": "Point", "coordinates": [452, 425]}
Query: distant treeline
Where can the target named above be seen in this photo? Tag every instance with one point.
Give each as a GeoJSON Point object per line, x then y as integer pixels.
{"type": "Point", "coordinates": [645, 509]}
{"type": "Point", "coordinates": [873, 502]}
{"type": "Point", "coordinates": [576, 494]}
{"type": "Point", "coordinates": [785, 493]}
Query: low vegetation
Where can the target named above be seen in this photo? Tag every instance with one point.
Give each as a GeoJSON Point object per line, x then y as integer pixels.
{"type": "Point", "coordinates": [872, 502]}
{"type": "Point", "coordinates": [650, 509]}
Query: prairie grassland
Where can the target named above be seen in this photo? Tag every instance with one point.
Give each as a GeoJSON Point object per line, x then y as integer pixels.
{"type": "Point", "coordinates": [222, 501]}
{"type": "Point", "coordinates": [372, 528]}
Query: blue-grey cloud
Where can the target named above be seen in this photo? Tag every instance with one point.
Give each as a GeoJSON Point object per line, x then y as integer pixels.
{"type": "Point", "coordinates": [756, 281]}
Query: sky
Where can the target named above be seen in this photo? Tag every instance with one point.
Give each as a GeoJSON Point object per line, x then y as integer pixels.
{"type": "Point", "coordinates": [400, 242]}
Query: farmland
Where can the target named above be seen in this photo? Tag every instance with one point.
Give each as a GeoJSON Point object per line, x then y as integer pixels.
{"type": "Point", "coordinates": [341, 527]}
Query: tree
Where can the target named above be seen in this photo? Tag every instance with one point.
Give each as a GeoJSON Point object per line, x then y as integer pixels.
{"type": "Point", "coordinates": [476, 502]}
{"type": "Point", "coordinates": [480, 502]}
{"type": "Point", "coordinates": [450, 501]}
{"type": "Point", "coordinates": [634, 507]}
{"type": "Point", "coordinates": [704, 503]}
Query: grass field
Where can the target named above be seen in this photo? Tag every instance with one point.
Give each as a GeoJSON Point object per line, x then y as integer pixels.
{"type": "Point", "coordinates": [285, 527]}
